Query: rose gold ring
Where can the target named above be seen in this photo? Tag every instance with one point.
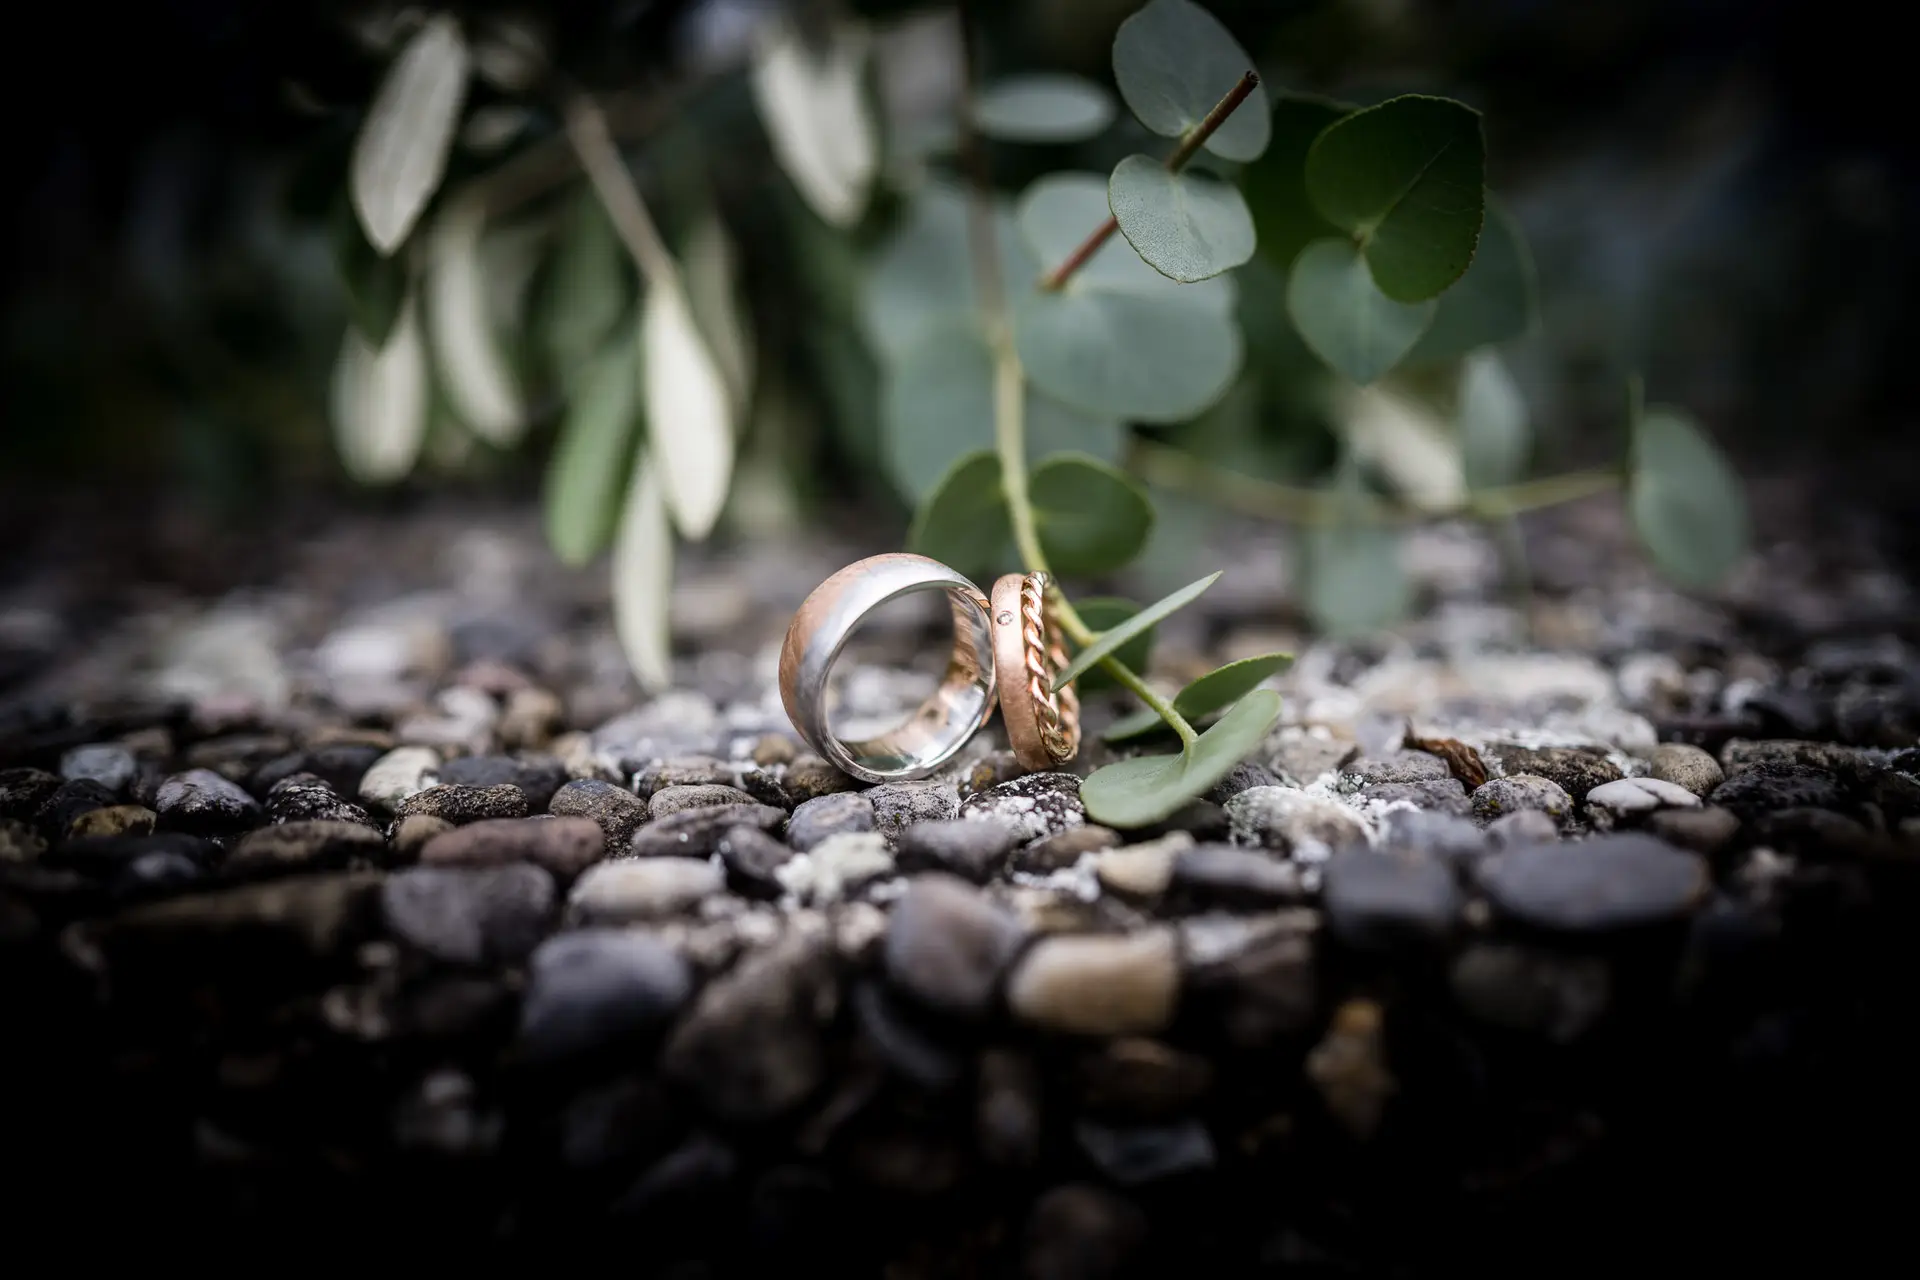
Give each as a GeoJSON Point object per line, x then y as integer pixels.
{"type": "Point", "coordinates": [1043, 727]}
{"type": "Point", "coordinates": [944, 722]}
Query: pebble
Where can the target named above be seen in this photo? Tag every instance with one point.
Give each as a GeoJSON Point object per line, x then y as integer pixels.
{"type": "Point", "coordinates": [1288, 819]}
{"type": "Point", "coordinates": [753, 859]}
{"type": "Point", "coordinates": [819, 819]}
{"type": "Point", "coordinates": [1055, 853]}
{"type": "Point", "coordinates": [538, 777]}
{"type": "Point", "coordinates": [294, 847]}
{"type": "Point", "coordinates": [1082, 1232]}
{"type": "Point", "coordinates": [1098, 985]}
{"type": "Point", "coordinates": [810, 777]}
{"type": "Point", "coordinates": [155, 875]}
{"type": "Point", "coordinates": [674, 724]}
{"type": "Point", "coordinates": [24, 791]}
{"type": "Point", "coordinates": [1139, 1080]}
{"type": "Point", "coordinates": [595, 989]}
{"type": "Point", "coordinates": [677, 799]}
{"type": "Point", "coordinates": [203, 802]}
{"type": "Point", "coordinates": [899, 805]}
{"type": "Point", "coordinates": [972, 848]}
{"type": "Point", "coordinates": [751, 1049]}
{"type": "Point", "coordinates": [1380, 897]}
{"type": "Point", "coordinates": [1498, 797]}
{"type": "Point", "coordinates": [1825, 757]}
{"type": "Point", "coordinates": [1140, 871]}
{"type": "Point", "coordinates": [107, 763]}
{"type": "Point", "coordinates": [1630, 799]}
{"type": "Point", "coordinates": [681, 771]}
{"type": "Point", "coordinates": [461, 915]}
{"type": "Point", "coordinates": [398, 774]}
{"type": "Point", "coordinates": [1757, 788]}
{"type": "Point", "coordinates": [1253, 978]}
{"type": "Point", "coordinates": [114, 820]}
{"type": "Point", "coordinates": [269, 932]}
{"type": "Point", "coordinates": [1242, 776]}
{"type": "Point", "coordinates": [1139, 1154]}
{"type": "Point", "coordinates": [1703, 829]}
{"type": "Point", "coordinates": [615, 810]}
{"type": "Point", "coordinates": [836, 867]}
{"type": "Point", "coordinates": [1039, 804]}
{"type": "Point", "coordinates": [1305, 758]}
{"type": "Point", "coordinates": [19, 843]}
{"type": "Point", "coordinates": [305, 797]}
{"type": "Point", "coordinates": [1605, 883]}
{"type": "Point", "coordinates": [529, 720]}
{"type": "Point", "coordinates": [774, 748]}
{"type": "Point", "coordinates": [1007, 1111]}
{"type": "Point", "coordinates": [1446, 836]}
{"type": "Point", "coordinates": [461, 805]}
{"type": "Point", "coordinates": [633, 889]}
{"type": "Point", "coordinates": [411, 834]}
{"type": "Point", "coordinates": [1401, 767]}
{"type": "Point", "coordinates": [1577, 770]}
{"type": "Point", "coordinates": [1232, 878]}
{"type": "Point", "coordinates": [948, 947]}
{"type": "Point", "coordinates": [564, 847]}
{"type": "Point", "coordinates": [696, 833]}
{"type": "Point", "coordinates": [1440, 795]}
{"type": "Point", "coordinates": [1686, 766]}
{"type": "Point", "coordinates": [1529, 989]}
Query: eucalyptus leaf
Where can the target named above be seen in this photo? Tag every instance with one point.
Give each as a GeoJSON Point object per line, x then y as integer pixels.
{"type": "Point", "coordinates": [401, 152]}
{"type": "Point", "coordinates": [1185, 227]}
{"type": "Point", "coordinates": [1104, 613]}
{"type": "Point", "coordinates": [1219, 688]}
{"type": "Point", "coordinates": [1492, 419]}
{"type": "Point", "coordinates": [1354, 580]}
{"type": "Point", "coordinates": [593, 455]}
{"type": "Point", "coordinates": [1275, 185]}
{"type": "Point", "coordinates": [1091, 517]}
{"type": "Point", "coordinates": [1343, 316]}
{"type": "Point", "coordinates": [1110, 641]}
{"type": "Point", "coordinates": [1174, 62]}
{"type": "Point", "coordinates": [964, 523]}
{"type": "Point", "coordinates": [1408, 178]}
{"type": "Point", "coordinates": [1120, 339]}
{"type": "Point", "coordinates": [937, 406]}
{"type": "Point", "coordinates": [1042, 107]}
{"type": "Point", "coordinates": [921, 278]}
{"type": "Point", "coordinates": [1146, 789]}
{"type": "Point", "coordinates": [1685, 501]}
{"type": "Point", "coordinates": [1493, 302]}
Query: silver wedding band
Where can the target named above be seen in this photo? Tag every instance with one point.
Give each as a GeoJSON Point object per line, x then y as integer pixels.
{"type": "Point", "coordinates": [944, 722]}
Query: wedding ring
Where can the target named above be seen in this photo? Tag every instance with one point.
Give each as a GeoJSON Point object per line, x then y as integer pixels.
{"type": "Point", "coordinates": [943, 723]}
{"type": "Point", "coordinates": [1043, 727]}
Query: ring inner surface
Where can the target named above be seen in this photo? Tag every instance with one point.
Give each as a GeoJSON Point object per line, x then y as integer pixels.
{"type": "Point", "coordinates": [951, 713]}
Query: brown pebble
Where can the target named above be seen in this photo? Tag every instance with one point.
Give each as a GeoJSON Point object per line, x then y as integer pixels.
{"type": "Point", "coordinates": [774, 748]}
{"type": "Point", "coordinates": [114, 820]}
{"type": "Point", "coordinates": [414, 831]}
{"type": "Point", "coordinates": [564, 846]}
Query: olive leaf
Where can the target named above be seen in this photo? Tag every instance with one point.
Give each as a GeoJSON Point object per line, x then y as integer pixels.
{"type": "Point", "coordinates": [401, 152]}
{"type": "Point", "coordinates": [1219, 688]}
{"type": "Point", "coordinates": [1146, 789]}
{"type": "Point", "coordinates": [593, 455]}
{"type": "Point", "coordinates": [1104, 613]}
{"type": "Point", "coordinates": [1108, 642]}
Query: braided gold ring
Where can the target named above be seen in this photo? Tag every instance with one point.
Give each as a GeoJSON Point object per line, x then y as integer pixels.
{"type": "Point", "coordinates": [1043, 727]}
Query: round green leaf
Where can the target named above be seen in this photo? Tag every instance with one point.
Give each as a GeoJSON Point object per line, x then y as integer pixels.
{"type": "Point", "coordinates": [922, 278]}
{"type": "Point", "coordinates": [1043, 107]}
{"type": "Point", "coordinates": [1174, 61]}
{"type": "Point", "coordinates": [1104, 613]}
{"type": "Point", "coordinates": [1492, 303]}
{"type": "Point", "coordinates": [1109, 642]}
{"type": "Point", "coordinates": [592, 458]}
{"type": "Point", "coordinates": [1218, 688]}
{"type": "Point", "coordinates": [1685, 501]}
{"type": "Point", "coordinates": [1091, 518]}
{"type": "Point", "coordinates": [937, 405]}
{"type": "Point", "coordinates": [1492, 417]}
{"type": "Point", "coordinates": [1354, 581]}
{"type": "Point", "coordinates": [1146, 789]}
{"type": "Point", "coordinates": [964, 523]}
{"type": "Point", "coordinates": [1275, 187]}
{"type": "Point", "coordinates": [1345, 318]}
{"type": "Point", "coordinates": [1185, 227]}
{"type": "Point", "coordinates": [1407, 177]}
{"type": "Point", "coordinates": [1120, 340]}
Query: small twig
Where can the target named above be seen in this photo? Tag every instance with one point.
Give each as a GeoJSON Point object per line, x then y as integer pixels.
{"type": "Point", "coordinates": [1190, 143]}
{"type": "Point", "coordinates": [587, 130]}
{"type": "Point", "coordinates": [1174, 469]}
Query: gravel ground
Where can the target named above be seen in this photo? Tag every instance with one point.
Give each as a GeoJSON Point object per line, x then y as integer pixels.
{"type": "Point", "coordinates": [368, 904]}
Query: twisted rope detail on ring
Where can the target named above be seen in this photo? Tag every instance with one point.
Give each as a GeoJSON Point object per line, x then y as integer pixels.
{"type": "Point", "coordinates": [1045, 658]}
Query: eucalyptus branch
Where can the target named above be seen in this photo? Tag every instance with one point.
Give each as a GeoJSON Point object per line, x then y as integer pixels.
{"type": "Point", "coordinates": [1172, 468]}
{"type": "Point", "coordinates": [1010, 390]}
{"type": "Point", "coordinates": [1190, 143]}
